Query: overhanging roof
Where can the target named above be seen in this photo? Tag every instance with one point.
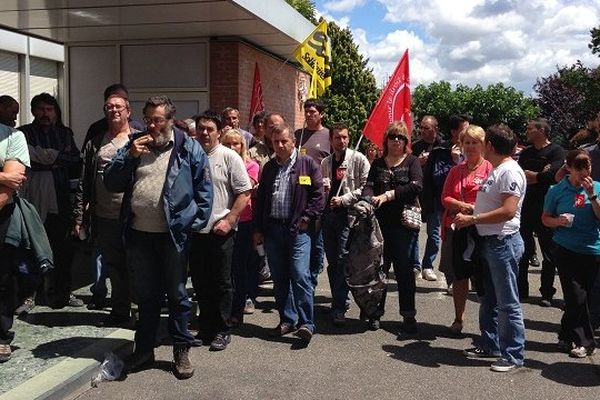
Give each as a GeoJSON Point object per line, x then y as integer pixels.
{"type": "Point", "coordinates": [270, 24]}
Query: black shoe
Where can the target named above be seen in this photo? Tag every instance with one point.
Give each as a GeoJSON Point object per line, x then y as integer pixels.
{"type": "Point", "coordinates": [409, 326]}
{"type": "Point", "coordinates": [26, 307]}
{"type": "Point", "coordinates": [374, 324]}
{"type": "Point", "coordinates": [183, 368]}
{"type": "Point", "coordinates": [533, 261]}
{"type": "Point", "coordinates": [220, 342]}
{"type": "Point", "coordinates": [97, 304]}
{"type": "Point", "coordinates": [478, 352]}
{"type": "Point", "coordinates": [138, 361]}
{"type": "Point", "coordinates": [304, 334]}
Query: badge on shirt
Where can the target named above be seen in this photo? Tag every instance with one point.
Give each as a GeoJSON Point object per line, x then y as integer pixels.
{"type": "Point", "coordinates": [579, 200]}
{"type": "Point", "coordinates": [304, 180]}
{"type": "Point", "coordinates": [340, 173]}
{"type": "Point", "coordinates": [303, 151]}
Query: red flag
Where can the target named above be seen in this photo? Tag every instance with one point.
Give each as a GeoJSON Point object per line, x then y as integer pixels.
{"type": "Point", "coordinates": [256, 103]}
{"type": "Point", "coordinates": [393, 104]}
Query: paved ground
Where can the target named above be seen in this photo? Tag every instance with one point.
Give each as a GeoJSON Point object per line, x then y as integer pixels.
{"type": "Point", "coordinates": [340, 363]}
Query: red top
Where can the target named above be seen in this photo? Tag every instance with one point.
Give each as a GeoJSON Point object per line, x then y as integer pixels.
{"type": "Point", "coordinates": [463, 185]}
{"type": "Point", "coordinates": [252, 168]}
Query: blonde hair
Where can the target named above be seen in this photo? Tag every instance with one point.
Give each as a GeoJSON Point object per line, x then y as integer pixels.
{"type": "Point", "coordinates": [396, 128]}
{"type": "Point", "coordinates": [474, 132]}
{"type": "Point", "coordinates": [235, 133]}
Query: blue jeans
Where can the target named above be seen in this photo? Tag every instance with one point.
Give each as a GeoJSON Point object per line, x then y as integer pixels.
{"type": "Point", "coordinates": [335, 236]}
{"type": "Point", "coordinates": [317, 253]}
{"type": "Point", "coordinates": [289, 260]}
{"type": "Point", "coordinates": [158, 267]}
{"type": "Point", "coordinates": [434, 239]}
{"type": "Point", "coordinates": [500, 313]}
{"type": "Point", "coordinates": [397, 246]}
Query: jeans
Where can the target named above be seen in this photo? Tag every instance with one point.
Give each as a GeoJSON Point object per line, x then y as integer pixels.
{"type": "Point", "coordinates": [317, 252]}
{"type": "Point", "coordinates": [577, 273]}
{"type": "Point", "coordinates": [414, 255]}
{"type": "Point", "coordinates": [398, 242]}
{"type": "Point", "coordinates": [210, 267]}
{"type": "Point", "coordinates": [335, 236]}
{"type": "Point", "coordinates": [158, 267]}
{"type": "Point", "coordinates": [98, 288]}
{"type": "Point", "coordinates": [500, 313]}
{"type": "Point", "coordinates": [434, 239]}
{"type": "Point", "coordinates": [110, 244]}
{"type": "Point", "coordinates": [289, 260]}
{"type": "Point", "coordinates": [544, 234]}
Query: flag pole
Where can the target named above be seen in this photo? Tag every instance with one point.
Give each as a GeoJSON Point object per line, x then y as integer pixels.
{"type": "Point", "coordinates": [349, 162]}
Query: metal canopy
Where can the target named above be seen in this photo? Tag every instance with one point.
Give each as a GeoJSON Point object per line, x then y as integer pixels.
{"type": "Point", "coordinates": [270, 24]}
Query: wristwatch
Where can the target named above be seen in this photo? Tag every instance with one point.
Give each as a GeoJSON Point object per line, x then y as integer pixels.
{"type": "Point", "coordinates": [475, 218]}
{"type": "Point", "coordinates": [594, 197]}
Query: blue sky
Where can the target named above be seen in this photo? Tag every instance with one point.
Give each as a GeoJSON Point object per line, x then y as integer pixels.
{"type": "Point", "coordinates": [470, 41]}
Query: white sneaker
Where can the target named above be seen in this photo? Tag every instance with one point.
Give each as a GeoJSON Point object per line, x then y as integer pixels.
{"type": "Point", "coordinates": [428, 275]}
{"type": "Point", "coordinates": [503, 366]}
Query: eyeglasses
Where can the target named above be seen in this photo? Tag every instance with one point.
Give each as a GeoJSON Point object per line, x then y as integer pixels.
{"type": "Point", "coordinates": [396, 137]}
{"type": "Point", "coordinates": [154, 120]}
{"type": "Point", "coordinates": [112, 107]}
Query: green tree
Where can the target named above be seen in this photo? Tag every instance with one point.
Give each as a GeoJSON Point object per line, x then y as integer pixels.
{"type": "Point", "coordinates": [595, 42]}
{"type": "Point", "coordinates": [353, 91]}
{"type": "Point", "coordinates": [486, 106]}
{"type": "Point", "coordinates": [306, 8]}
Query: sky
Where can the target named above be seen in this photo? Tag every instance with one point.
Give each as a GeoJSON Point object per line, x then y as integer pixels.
{"type": "Point", "coordinates": [469, 41]}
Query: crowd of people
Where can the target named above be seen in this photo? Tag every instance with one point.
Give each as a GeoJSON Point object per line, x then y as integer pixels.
{"type": "Point", "coordinates": [168, 199]}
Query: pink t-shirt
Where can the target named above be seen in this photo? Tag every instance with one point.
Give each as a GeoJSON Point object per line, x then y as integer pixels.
{"type": "Point", "coordinates": [462, 182]}
{"type": "Point", "coordinates": [252, 168]}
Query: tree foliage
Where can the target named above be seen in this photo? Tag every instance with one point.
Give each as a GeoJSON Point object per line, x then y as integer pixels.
{"type": "Point", "coordinates": [353, 91]}
{"type": "Point", "coordinates": [595, 42]}
{"type": "Point", "coordinates": [568, 98]}
{"type": "Point", "coordinates": [486, 106]}
{"type": "Point", "coordinates": [306, 8]}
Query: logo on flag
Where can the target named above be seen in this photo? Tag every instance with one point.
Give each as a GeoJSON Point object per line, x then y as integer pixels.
{"type": "Point", "coordinates": [314, 54]}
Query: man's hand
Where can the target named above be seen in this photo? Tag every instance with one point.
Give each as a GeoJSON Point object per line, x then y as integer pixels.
{"type": "Point", "coordinates": [257, 238]}
{"type": "Point", "coordinates": [423, 157]}
{"type": "Point", "coordinates": [13, 180]}
{"type": "Point", "coordinates": [140, 146]}
{"type": "Point", "coordinates": [462, 220]}
{"type": "Point", "coordinates": [377, 201]}
{"type": "Point", "coordinates": [336, 201]}
{"type": "Point", "coordinates": [588, 185]}
{"type": "Point", "coordinates": [223, 227]}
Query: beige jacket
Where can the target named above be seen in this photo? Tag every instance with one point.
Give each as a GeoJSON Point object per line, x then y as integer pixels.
{"type": "Point", "coordinates": [357, 169]}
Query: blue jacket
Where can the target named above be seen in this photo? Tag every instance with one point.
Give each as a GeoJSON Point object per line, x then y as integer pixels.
{"type": "Point", "coordinates": [187, 192]}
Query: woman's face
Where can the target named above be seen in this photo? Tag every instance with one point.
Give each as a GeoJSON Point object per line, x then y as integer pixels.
{"type": "Point", "coordinates": [577, 175]}
{"type": "Point", "coordinates": [396, 144]}
{"type": "Point", "coordinates": [472, 148]}
{"type": "Point", "coordinates": [233, 143]}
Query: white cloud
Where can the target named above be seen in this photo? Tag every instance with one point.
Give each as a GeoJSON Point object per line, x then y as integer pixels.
{"type": "Point", "coordinates": [482, 41]}
{"type": "Point", "coordinates": [343, 5]}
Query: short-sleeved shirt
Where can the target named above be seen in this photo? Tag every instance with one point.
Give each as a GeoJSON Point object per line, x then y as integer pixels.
{"type": "Point", "coordinates": [584, 235]}
{"type": "Point", "coordinates": [507, 178]}
{"type": "Point", "coordinates": [13, 146]}
{"type": "Point", "coordinates": [229, 179]}
{"type": "Point", "coordinates": [315, 144]}
{"type": "Point", "coordinates": [252, 168]}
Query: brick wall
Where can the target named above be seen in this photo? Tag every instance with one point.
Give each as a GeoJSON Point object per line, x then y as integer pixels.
{"type": "Point", "coordinates": [232, 75]}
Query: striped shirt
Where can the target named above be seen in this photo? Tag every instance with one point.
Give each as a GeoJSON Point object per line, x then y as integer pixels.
{"type": "Point", "coordinates": [281, 202]}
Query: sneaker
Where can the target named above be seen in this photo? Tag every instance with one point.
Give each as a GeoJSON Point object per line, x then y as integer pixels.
{"type": "Point", "coordinates": [429, 275]}
{"type": "Point", "coordinates": [546, 302]}
{"type": "Point", "coordinates": [339, 318]}
{"type": "Point", "coordinates": [5, 352]}
{"type": "Point", "coordinates": [533, 261]}
{"type": "Point", "coordinates": [503, 366]}
{"type": "Point", "coordinates": [409, 326]}
{"type": "Point", "coordinates": [417, 273]}
{"type": "Point", "coordinates": [582, 352]}
{"type": "Point", "coordinates": [183, 368]}
{"type": "Point", "coordinates": [304, 334]}
{"type": "Point", "coordinates": [249, 307]}
{"type": "Point", "coordinates": [26, 307]}
{"type": "Point", "coordinates": [138, 361]}
{"type": "Point", "coordinates": [478, 352]}
{"type": "Point", "coordinates": [74, 301]}
{"type": "Point", "coordinates": [220, 342]}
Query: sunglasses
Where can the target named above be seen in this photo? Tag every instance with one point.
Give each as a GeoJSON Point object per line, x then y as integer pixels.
{"type": "Point", "coordinates": [396, 137]}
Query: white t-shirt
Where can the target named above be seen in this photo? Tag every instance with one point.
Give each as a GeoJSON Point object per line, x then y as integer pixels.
{"type": "Point", "coordinates": [507, 178]}
{"type": "Point", "coordinates": [229, 179]}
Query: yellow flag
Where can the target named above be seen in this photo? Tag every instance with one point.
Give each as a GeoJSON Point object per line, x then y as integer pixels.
{"type": "Point", "coordinates": [313, 92]}
{"type": "Point", "coordinates": [315, 56]}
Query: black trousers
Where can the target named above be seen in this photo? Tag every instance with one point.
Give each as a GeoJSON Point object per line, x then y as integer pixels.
{"type": "Point", "coordinates": [58, 280]}
{"type": "Point", "coordinates": [577, 273]}
{"type": "Point", "coordinates": [529, 226]}
{"type": "Point", "coordinates": [210, 268]}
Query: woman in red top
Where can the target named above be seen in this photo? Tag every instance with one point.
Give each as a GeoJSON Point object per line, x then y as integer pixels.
{"type": "Point", "coordinates": [458, 195]}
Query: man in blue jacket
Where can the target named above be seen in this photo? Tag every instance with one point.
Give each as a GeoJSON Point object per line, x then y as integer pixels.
{"type": "Point", "coordinates": [167, 188]}
{"type": "Point", "coordinates": [290, 200]}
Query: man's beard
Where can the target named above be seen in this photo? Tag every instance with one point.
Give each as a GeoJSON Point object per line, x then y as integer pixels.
{"type": "Point", "coordinates": [163, 138]}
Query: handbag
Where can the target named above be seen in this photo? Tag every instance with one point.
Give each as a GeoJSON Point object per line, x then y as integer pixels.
{"type": "Point", "coordinates": [411, 217]}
